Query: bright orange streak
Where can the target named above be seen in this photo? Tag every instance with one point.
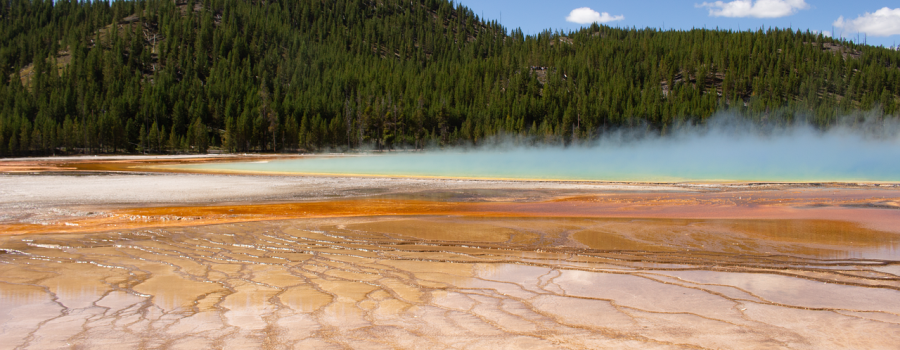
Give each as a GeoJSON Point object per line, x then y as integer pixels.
{"type": "Point", "coordinates": [637, 206]}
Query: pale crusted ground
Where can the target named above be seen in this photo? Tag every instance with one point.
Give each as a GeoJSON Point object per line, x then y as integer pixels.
{"type": "Point", "coordinates": [155, 188]}
{"type": "Point", "coordinates": [29, 197]}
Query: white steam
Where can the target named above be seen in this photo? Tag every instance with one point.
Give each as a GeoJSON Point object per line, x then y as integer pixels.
{"type": "Point", "coordinates": [723, 149]}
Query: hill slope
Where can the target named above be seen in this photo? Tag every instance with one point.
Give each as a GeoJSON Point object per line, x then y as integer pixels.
{"type": "Point", "coordinates": [164, 76]}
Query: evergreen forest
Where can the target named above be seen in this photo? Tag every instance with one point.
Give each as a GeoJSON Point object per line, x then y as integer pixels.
{"type": "Point", "coordinates": [164, 76]}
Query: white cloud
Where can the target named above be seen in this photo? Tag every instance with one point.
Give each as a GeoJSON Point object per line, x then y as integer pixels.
{"type": "Point", "coordinates": [884, 22]}
{"type": "Point", "coordinates": [758, 9]}
{"type": "Point", "coordinates": [586, 15]}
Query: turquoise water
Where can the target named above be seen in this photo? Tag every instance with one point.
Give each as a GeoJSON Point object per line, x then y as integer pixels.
{"type": "Point", "coordinates": [790, 157]}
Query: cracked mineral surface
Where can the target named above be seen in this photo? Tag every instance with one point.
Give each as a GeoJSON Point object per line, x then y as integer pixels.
{"type": "Point", "coordinates": [432, 264]}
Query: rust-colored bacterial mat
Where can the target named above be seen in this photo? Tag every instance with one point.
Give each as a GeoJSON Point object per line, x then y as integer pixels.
{"type": "Point", "coordinates": [437, 281]}
{"type": "Point", "coordinates": [475, 265]}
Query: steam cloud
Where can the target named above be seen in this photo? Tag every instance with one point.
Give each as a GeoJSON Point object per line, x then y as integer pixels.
{"type": "Point", "coordinates": [727, 148]}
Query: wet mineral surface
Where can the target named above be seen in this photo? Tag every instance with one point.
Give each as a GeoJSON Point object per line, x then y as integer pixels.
{"type": "Point", "coordinates": [93, 259]}
{"type": "Point", "coordinates": [429, 281]}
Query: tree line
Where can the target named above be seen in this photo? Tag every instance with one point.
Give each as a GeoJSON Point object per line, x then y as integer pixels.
{"type": "Point", "coordinates": [164, 76]}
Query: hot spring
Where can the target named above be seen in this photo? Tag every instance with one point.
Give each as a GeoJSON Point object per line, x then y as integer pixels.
{"type": "Point", "coordinates": [790, 155]}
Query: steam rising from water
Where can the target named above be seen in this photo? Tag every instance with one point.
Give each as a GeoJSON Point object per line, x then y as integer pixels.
{"type": "Point", "coordinates": [725, 149]}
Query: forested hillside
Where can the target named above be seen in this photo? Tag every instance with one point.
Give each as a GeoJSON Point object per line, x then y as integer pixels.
{"type": "Point", "coordinates": [160, 76]}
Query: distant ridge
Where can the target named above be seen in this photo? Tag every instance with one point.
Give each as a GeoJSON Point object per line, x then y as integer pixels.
{"type": "Point", "coordinates": [160, 76]}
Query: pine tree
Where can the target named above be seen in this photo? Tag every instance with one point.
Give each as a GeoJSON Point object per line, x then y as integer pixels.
{"type": "Point", "coordinates": [390, 76]}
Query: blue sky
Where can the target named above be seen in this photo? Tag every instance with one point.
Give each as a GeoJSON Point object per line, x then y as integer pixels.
{"type": "Point", "coordinates": [878, 20]}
